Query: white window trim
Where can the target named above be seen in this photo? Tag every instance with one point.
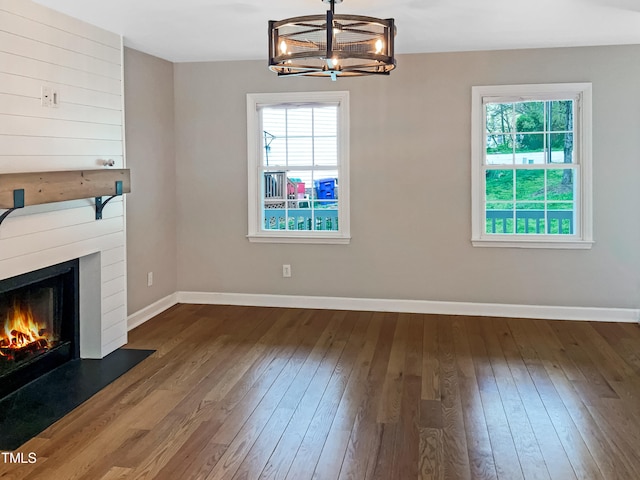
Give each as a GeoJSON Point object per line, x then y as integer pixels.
{"type": "Point", "coordinates": [583, 238]}
{"type": "Point", "coordinates": [254, 151]}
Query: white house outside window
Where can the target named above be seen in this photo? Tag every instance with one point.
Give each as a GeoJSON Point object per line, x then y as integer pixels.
{"type": "Point", "coordinates": [298, 167]}
{"type": "Point", "coordinates": [531, 166]}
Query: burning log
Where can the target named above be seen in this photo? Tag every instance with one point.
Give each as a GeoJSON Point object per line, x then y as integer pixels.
{"type": "Point", "coordinates": [22, 335]}
{"type": "Point", "coordinates": [38, 346]}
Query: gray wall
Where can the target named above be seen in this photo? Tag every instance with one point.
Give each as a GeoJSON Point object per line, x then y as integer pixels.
{"type": "Point", "coordinates": [410, 185]}
{"type": "Point", "coordinates": [151, 208]}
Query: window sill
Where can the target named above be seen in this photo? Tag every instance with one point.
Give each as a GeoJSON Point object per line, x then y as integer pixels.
{"type": "Point", "coordinates": [315, 239]}
{"type": "Point", "coordinates": [533, 243]}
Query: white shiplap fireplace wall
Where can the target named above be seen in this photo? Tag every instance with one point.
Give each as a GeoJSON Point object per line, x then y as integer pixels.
{"type": "Point", "coordinates": [40, 47]}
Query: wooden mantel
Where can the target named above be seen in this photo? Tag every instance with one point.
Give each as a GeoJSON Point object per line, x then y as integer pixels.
{"type": "Point", "coordinates": [49, 187]}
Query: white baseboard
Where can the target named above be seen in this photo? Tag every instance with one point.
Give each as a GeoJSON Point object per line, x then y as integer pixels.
{"type": "Point", "coordinates": [596, 314]}
{"type": "Point", "coordinates": [546, 312]}
{"type": "Point", "coordinates": [138, 318]}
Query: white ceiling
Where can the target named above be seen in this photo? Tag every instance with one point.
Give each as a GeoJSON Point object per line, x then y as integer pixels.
{"type": "Point", "coordinates": [209, 30]}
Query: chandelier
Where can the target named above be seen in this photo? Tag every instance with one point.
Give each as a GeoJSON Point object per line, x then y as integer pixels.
{"type": "Point", "coordinates": [331, 45]}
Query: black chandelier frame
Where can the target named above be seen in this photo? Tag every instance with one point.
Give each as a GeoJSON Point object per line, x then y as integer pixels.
{"type": "Point", "coordinates": [332, 57]}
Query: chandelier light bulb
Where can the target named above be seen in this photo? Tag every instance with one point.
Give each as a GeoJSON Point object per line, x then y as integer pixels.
{"type": "Point", "coordinates": [283, 47]}
{"type": "Point", "coordinates": [379, 46]}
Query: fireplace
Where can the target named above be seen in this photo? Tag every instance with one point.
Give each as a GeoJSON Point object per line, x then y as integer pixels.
{"type": "Point", "coordinates": [39, 323]}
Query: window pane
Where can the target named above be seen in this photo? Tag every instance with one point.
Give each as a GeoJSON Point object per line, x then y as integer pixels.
{"type": "Point", "coordinates": [499, 117]}
{"type": "Point", "coordinates": [325, 151]}
{"type": "Point", "coordinates": [562, 116]}
{"type": "Point", "coordinates": [300, 200]}
{"type": "Point", "coordinates": [298, 188]}
{"type": "Point", "coordinates": [530, 185]}
{"type": "Point", "coordinates": [300, 151]}
{"type": "Point", "coordinates": [275, 151]}
{"type": "Point", "coordinates": [530, 218]}
{"type": "Point", "coordinates": [529, 149]}
{"type": "Point", "coordinates": [529, 117]}
{"type": "Point", "coordinates": [499, 185]}
{"type": "Point", "coordinates": [499, 149]}
{"type": "Point", "coordinates": [560, 217]}
{"type": "Point", "coordinates": [499, 218]}
{"type": "Point", "coordinates": [274, 121]}
{"type": "Point", "coordinates": [325, 121]}
{"type": "Point", "coordinates": [274, 194]}
{"type": "Point", "coordinates": [562, 148]}
{"type": "Point", "coordinates": [325, 188]}
{"type": "Point", "coordinates": [299, 122]}
{"type": "Point", "coordinates": [326, 215]}
{"type": "Point", "coordinates": [274, 189]}
{"type": "Point", "coordinates": [561, 184]}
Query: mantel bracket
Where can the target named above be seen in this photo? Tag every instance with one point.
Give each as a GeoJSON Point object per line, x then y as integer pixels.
{"type": "Point", "coordinates": [100, 204]}
{"type": "Point", "coordinates": [18, 202]}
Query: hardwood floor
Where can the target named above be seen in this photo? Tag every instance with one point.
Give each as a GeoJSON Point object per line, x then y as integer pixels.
{"type": "Point", "coordinates": [266, 393]}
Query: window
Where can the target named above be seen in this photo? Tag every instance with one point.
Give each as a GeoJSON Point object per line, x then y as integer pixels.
{"type": "Point", "coordinates": [298, 152]}
{"type": "Point", "coordinates": [531, 166]}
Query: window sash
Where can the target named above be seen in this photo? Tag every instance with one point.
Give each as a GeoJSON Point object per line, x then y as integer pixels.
{"type": "Point", "coordinates": [580, 93]}
{"type": "Point", "coordinates": [257, 168]}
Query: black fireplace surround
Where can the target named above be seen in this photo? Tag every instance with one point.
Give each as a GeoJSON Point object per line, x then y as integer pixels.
{"type": "Point", "coordinates": [49, 297]}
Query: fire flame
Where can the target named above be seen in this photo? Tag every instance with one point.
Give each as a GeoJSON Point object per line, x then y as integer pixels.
{"type": "Point", "coordinates": [21, 330]}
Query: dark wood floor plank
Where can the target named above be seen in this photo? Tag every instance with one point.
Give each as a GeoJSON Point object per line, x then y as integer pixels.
{"type": "Point", "coordinates": [360, 454]}
{"type": "Point", "coordinates": [117, 473]}
{"type": "Point", "coordinates": [101, 409]}
{"type": "Point", "coordinates": [431, 460]}
{"type": "Point", "coordinates": [619, 375]}
{"type": "Point", "coordinates": [606, 456]}
{"type": "Point", "coordinates": [529, 340]}
{"type": "Point", "coordinates": [506, 460]}
{"type": "Point", "coordinates": [479, 449]}
{"type": "Point", "coordinates": [242, 393]}
{"type": "Point", "coordinates": [284, 453]}
{"type": "Point", "coordinates": [388, 404]}
{"type": "Point", "coordinates": [456, 451]}
{"type": "Point", "coordinates": [384, 445]}
{"type": "Point", "coordinates": [555, 457]}
{"type": "Point", "coordinates": [594, 385]}
{"type": "Point", "coordinates": [430, 362]}
{"type": "Point", "coordinates": [74, 464]}
{"type": "Point", "coordinates": [531, 458]}
{"type": "Point", "coordinates": [242, 441]}
{"type": "Point", "coordinates": [408, 432]}
{"type": "Point", "coordinates": [159, 461]}
{"type": "Point", "coordinates": [255, 378]}
{"type": "Point", "coordinates": [283, 328]}
{"type": "Point", "coordinates": [389, 409]}
{"type": "Point", "coordinates": [333, 452]}
{"type": "Point", "coordinates": [623, 431]}
{"type": "Point", "coordinates": [309, 449]}
{"type": "Point", "coordinates": [317, 343]}
{"type": "Point", "coordinates": [229, 335]}
{"type": "Point", "coordinates": [229, 415]}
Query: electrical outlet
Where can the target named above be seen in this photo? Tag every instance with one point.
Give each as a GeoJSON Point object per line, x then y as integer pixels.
{"type": "Point", "coordinates": [149, 279]}
{"type": "Point", "coordinates": [286, 271]}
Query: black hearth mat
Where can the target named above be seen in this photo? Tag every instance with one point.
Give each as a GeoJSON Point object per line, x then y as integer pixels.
{"type": "Point", "coordinates": [31, 409]}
